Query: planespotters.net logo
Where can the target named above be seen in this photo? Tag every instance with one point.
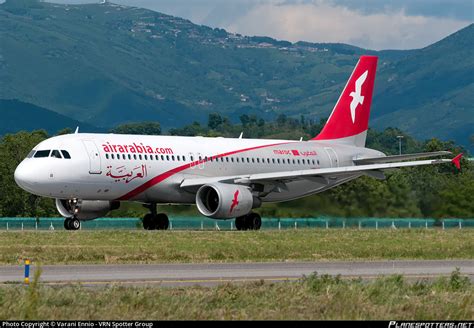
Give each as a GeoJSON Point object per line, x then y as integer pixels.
{"type": "Point", "coordinates": [404, 324]}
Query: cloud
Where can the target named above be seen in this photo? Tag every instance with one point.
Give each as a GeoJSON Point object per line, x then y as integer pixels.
{"type": "Point", "coordinates": [323, 21]}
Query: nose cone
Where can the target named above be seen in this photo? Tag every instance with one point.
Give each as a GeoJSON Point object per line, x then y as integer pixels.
{"type": "Point", "coordinates": [24, 176]}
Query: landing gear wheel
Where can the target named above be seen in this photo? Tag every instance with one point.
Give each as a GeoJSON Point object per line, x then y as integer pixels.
{"type": "Point", "coordinates": [162, 221]}
{"type": "Point", "coordinates": [253, 221]}
{"type": "Point", "coordinates": [240, 223]}
{"type": "Point", "coordinates": [75, 224]}
{"type": "Point", "coordinates": [149, 222]}
{"type": "Point", "coordinates": [72, 224]}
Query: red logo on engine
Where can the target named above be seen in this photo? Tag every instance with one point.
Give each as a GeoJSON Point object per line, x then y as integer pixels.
{"type": "Point", "coordinates": [235, 202]}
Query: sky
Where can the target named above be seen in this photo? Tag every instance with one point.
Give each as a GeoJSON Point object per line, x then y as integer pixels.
{"type": "Point", "coordinates": [372, 24]}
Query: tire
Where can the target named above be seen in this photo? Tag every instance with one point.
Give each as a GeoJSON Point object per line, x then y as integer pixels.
{"type": "Point", "coordinates": [74, 224]}
{"type": "Point", "coordinates": [241, 223]}
{"type": "Point", "coordinates": [162, 221]}
{"type": "Point", "coordinates": [67, 223]}
{"type": "Point", "coordinates": [253, 221]}
{"type": "Point", "coordinates": [149, 222]}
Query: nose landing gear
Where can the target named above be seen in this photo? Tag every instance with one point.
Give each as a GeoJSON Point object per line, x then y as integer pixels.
{"type": "Point", "coordinates": [155, 221]}
{"type": "Point", "coordinates": [72, 224]}
{"type": "Point", "coordinates": [251, 221]}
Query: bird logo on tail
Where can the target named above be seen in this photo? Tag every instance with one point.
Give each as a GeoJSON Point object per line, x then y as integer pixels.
{"type": "Point", "coordinates": [357, 98]}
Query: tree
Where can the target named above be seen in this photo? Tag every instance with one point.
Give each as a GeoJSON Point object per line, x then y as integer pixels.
{"type": "Point", "coordinates": [215, 120]}
{"type": "Point", "coordinates": [245, 120]}
{"type": "Point", "coordinates": [148, 128]}
{"type": "Point", "coordinates": [13, 200]}
{"type": "Point", "coordinates": [281, 119]}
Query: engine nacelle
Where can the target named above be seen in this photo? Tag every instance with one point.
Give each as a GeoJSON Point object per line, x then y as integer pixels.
{"type": "Point", "coordinates": [85, 209]}
{"type": "Point", "coordinates": [223, 201]}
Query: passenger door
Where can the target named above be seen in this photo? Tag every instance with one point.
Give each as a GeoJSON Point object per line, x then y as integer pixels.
{"type": "Point", "coordinates": [332, 156]}
{"type": "Point", "coordinates": [94, 158]}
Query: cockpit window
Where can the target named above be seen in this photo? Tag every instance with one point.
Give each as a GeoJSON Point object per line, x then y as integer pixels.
{"type": "Point", "coordinates": [30, 154]}
{"type": "Point", "coordinates": [65, 154]}
{"type": "Point", "coordinates": [56, 154]}
{"type": "Point", "coordinates": [42, 153]}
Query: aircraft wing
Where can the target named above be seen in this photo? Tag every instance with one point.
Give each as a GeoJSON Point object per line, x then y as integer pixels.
{"type": "Point", "coordinates": [373, 170]}
{"type": "Point", "coordinates": [398, 158]}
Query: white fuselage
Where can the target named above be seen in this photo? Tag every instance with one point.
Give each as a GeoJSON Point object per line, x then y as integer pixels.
{"type": "Point", "coordinates": [150, 169]}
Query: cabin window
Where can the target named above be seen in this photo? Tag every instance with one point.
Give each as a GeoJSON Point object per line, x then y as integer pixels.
{"type": "Point", "coordinates": [42, 153]}
{"type": "Point", "coordinates": [167, 157]}
{"type": "Point", "coordinates": [112, 156]}
{"type": "Point", "coordinates": [66, 154]}
{"type": "Point", "coordinates": [294, 161]}
{"type": "Point", "coordinates": [134, 156]}
{"type": "Point", "coordinates": [298, 161]}
{"type": "Point", "coordinates": [232, 159]}
{"type": "Point", "coordinates": [237, 159]}
{"type": "Point", "coordinates": [184, 158]}
{"type": "Point", "coordinates": [107, 156]}
{"type": "Point", "coordinates": [227, 159]}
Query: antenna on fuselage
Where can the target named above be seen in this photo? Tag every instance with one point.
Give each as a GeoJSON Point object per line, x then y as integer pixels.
{"type": "Point", "coordinates": [77, 130]}
{"type": "Point", "coordinates": [241, 135]}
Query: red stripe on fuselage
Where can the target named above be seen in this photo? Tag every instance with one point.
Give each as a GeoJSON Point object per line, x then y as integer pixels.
{"type": "Point", "coordinates": [167, 174]}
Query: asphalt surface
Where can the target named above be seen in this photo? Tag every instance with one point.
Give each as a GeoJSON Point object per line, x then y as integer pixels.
{"type": "Point", "coordinates": [216, 273]}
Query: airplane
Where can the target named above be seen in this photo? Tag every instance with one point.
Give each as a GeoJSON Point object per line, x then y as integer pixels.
{"type": "Point", "coordinates": [89, 175]}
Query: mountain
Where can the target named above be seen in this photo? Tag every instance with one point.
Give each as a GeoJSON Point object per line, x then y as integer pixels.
{"type": "Point", "coordinates": [106, 64]}
{"type": "Point", "coordinates": [17, 116]}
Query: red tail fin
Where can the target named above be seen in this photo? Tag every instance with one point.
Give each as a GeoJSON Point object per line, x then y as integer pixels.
{"type": "Point", "coordinates": [349, 119]}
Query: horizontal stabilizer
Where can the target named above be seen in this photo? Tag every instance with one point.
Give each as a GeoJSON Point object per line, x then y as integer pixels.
{"type": "Point", "coordinates": [398, 158]}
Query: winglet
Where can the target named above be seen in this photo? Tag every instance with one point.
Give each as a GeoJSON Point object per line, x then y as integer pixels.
{"type": "Point", "coordinates": [77, 130]}
{"type": "Point", "coordinates": [457, 161]}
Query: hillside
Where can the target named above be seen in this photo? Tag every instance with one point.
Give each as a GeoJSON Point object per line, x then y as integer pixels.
{"type": "Point", "coordinates": [106, 64]}
{"type": "Point", "coordinates": [17, 116]}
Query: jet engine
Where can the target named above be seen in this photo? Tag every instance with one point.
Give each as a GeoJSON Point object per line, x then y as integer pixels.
{"type": "Point", "coordinates": [223, 201]}
{"type": "Point", "coordinates": [85, 209]}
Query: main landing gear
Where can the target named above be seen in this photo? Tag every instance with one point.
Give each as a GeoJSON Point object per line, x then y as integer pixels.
{"type": "Point", "coordinates": [155, 221]}
{"type": "Point", "coordinates": [72, 224]}
{"type": "Point", "coordinates": [251, 221]}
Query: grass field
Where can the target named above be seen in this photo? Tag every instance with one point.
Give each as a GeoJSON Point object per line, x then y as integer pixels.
{"type": "Point", "coordinates": [68, 247]}
{"type": "Point", "coordinates": [313, 297]}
